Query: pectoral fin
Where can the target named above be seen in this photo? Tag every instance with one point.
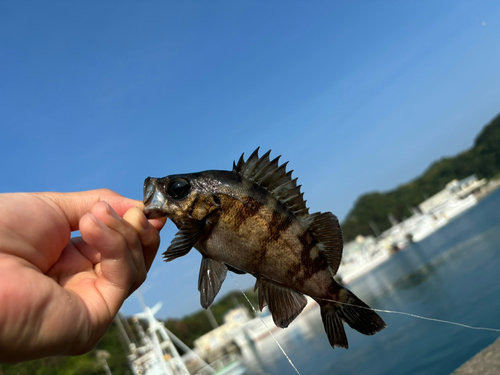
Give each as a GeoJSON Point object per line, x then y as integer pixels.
{"type": "Point", "coordinates": [212, 275]}
{"type": "Point", "coordinates": [284, 304]}
{"type": "Point", "coordinates": [189, 233]}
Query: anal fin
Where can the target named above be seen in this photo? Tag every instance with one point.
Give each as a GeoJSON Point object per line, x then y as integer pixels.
{"type": "Point", "coordinates": [212, 275]}
{"type": "Point", "coordinates": [284, 304]}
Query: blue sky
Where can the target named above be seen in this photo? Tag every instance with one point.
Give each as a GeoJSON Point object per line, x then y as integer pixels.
{"type": "Point", "coordinates": [358, 96]}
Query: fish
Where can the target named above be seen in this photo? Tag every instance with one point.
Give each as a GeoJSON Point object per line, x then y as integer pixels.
{"type": "Point", "coordinates": [253, 219]}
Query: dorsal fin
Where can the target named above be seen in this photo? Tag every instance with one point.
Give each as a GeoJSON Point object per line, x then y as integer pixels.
{"type": "Point", "coordinates": [326, 229]}
{"type": "Point", "coordinates": [273, 177]}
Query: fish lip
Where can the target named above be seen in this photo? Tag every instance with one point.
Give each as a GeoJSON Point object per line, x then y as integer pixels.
{"type": "Point", "coordinates": [148, 189]}
{"type": "Point", "coordinates": [154, 200]}
{"type": "Point", "coordinates": [154, 212]}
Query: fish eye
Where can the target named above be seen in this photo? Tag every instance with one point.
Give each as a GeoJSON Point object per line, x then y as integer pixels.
{"type": "Point", "coordinates": [178, 188]}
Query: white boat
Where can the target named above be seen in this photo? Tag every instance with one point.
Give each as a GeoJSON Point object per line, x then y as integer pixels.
{"type": "Point", "coordinates": [157, 355]}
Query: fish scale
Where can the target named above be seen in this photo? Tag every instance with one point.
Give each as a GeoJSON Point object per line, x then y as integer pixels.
{"type": "Point", "coordinates": [254, 220]}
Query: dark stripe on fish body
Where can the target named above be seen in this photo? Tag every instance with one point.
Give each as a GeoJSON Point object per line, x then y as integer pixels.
{"type": "Point", "coordinates": [235, 211]}
{"type": "Point", "coordinates": [293, 273]}
{"type": "Point", "coordinates": [240, 212]}
{"type": "Point", "coordinates": [311, 266]}
{"type": "Point", "coordinates": [209, 224]}
{"type": "Point", "coordinates": [254, 203]}
{"type": "Point", "coordinates": [278, 224]}
{"type": "Point", "coordinates": [261, 254]}
{"type": "Point", "coordinates": [307, 241]}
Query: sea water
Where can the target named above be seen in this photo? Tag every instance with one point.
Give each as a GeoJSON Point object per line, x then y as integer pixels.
{"type": "Point", "coordinates": [454, 275]}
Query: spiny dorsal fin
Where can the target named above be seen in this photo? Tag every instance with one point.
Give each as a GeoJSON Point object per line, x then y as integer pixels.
{"type": "Point", "coordinates": [326, 229]}
{"type": "Point", "coordinates": [284, 304]}
{"type": "Point", "coordinates": [274, 177]}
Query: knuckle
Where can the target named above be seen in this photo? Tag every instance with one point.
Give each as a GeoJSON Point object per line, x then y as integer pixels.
{"type": "Point", "coordinates": [104, 193]}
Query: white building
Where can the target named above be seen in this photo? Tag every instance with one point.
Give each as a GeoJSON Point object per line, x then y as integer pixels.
{"type": "Point", "coordinates": [454, 190]}
{"type": "Point", "coordinates": [216, 341]}
{"type": "Point", "coordinates": [364, 254]}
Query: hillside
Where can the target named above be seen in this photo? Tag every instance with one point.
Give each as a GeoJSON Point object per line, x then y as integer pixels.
{"type": "Point", "coordinates": [483, 159]}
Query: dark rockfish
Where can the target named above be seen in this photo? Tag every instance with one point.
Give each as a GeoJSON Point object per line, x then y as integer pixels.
{"type": "Point", "coordinates": [254, 220]}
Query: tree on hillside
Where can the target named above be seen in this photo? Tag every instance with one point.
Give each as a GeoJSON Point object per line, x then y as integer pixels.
{"type": "Point", "coordinates": [483, 160]}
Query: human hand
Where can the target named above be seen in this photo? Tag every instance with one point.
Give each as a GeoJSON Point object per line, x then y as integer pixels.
{"type": "Point", "coordinates": [58, 295]}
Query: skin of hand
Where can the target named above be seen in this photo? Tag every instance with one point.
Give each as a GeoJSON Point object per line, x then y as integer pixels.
{"type": "Point", "coordinates": [59, 295]}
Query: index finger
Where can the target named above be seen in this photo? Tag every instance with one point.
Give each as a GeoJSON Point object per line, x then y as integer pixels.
{"type": "Point", "coordinates": [75, 205]}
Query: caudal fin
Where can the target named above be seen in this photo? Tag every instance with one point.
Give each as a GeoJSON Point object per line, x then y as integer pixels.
{"type": "Point", "coordinates": [354, 312]}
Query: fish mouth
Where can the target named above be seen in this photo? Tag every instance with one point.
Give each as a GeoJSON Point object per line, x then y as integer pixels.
{"type": "Point", "coordinates": [154, 200]}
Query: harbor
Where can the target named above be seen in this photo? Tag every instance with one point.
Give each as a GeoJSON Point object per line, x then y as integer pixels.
{"type": "Point", "coordinates": [365, 253]}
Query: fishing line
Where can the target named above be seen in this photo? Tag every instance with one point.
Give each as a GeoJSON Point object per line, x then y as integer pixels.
{"type": "Point", "coordinates": [256, 313]}
{"type": "Point", "coordinates": [169, 227]}
{"type": "Point", "coordinates": [262, 320]}
{"type": "Point", "coordinates": [361, 307]}
{"type": "Point", "coordinates": [418, 316]}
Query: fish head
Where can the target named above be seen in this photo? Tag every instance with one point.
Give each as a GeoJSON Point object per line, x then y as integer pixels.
{"type": "Point", "coordinates": [179, 197]}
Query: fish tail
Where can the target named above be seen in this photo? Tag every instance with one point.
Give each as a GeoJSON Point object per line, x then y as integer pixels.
{"type": "Point", "coordinates": [354, 312]}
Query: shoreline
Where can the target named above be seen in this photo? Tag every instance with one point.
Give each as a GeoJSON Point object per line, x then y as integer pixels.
{"type": "Point", "coordinates": [486, 362]}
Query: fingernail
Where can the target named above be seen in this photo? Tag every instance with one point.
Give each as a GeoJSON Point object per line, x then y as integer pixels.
{"type": "Point", "coordinates": [112, 212]}
{"type": "Point", "coordinates": [98, 222]}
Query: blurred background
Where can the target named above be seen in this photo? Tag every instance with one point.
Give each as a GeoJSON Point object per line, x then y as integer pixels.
{"type": "Point", "coordinates": [378, 106]}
